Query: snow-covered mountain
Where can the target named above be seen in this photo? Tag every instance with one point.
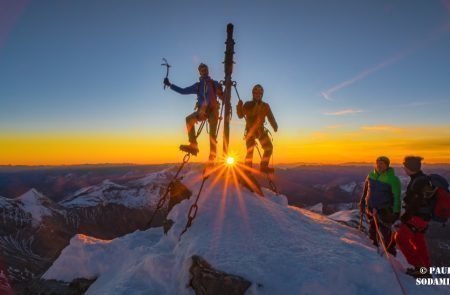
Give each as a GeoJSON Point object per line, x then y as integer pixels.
{"type": "Point", "coordinates": [349, 218]}
{"type": "Point", "coordinates": [348, 187]}
{"type": "Point", "coordinates": [317, 208]}
{"type": "Point", "coordinates": [34, 229]}
{"type": "Point", "coordinates": [264, 244]}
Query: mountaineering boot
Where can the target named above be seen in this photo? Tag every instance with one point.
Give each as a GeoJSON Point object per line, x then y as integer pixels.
{"type": "Point", "coordinates": [191, 148]}
{"type": "Point", "coordinates": [264, 168]}
{"type": "Point", "coordinates": [392, 250]}
{"type": "Point", "coordinates": [415, 272]}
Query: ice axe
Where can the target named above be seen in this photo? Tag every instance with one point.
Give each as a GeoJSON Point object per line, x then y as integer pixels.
{"type": "Point", "coordinates": [166, 64]}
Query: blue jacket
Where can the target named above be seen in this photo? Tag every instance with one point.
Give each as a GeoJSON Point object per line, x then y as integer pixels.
{"type": "Point", "coordinates": [381, 191]}
{"type": "Point", "coordinates": [204, 90]}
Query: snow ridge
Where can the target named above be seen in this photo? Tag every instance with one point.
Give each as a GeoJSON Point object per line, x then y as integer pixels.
{"type": "Point", "coordinates": [279, 248]}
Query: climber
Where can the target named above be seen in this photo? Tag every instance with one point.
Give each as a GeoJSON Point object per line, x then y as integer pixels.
{"type": "Point", "coordinates": [381, 200]}
{"type": "Point", "coordinates": [207, 108]}
{"type": "Point", "coordinates": [255, 113]}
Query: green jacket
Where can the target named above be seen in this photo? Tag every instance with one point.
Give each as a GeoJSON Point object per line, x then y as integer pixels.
{"type": "Point", "coordinates": [378, 185]}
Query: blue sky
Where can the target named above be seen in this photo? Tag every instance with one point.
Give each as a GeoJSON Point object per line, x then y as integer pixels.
{"type": "Point", "coordinates": [94, 66]}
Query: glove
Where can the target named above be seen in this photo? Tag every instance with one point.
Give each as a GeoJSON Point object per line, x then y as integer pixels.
{"type": "Point", "coordinates": [240, 104]}
{"type": "Point", "coordinates": [167, 82]}
{"type": "Point", "coordinates": [396, 224]}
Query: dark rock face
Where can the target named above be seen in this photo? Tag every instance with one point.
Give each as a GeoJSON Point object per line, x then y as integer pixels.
{"type": "Point", "coordinates": [28, 246]}
{"type": "Point", "coordinates": [178, 193]}
{"type": "Point", "coordinates": [51, 287]}
{"type": "Point", "coordinates": [208, 281]}
{"type": "Point", "coordinates": [112, 220]}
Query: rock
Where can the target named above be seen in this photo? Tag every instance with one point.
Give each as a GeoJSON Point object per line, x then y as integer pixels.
{"type": "Point", "coordinates": [208, 281]}
{"type": "Point", "coordinates": [178, 193]}
{"type": "Point", "coordinates": [50, 287]}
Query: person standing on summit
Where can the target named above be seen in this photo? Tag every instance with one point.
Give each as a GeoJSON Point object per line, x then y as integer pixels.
{"type": "Point", "coordinates": [207, 108]}
{"type": "Point", "coordinates": [255, 112]}
{"type": "Point", "coordinates": [381, 201]}
{"type": "Point", "coordinates": [410, 237]}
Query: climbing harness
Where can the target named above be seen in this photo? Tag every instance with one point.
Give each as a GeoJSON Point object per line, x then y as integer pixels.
{"type": "Point", "coordinates": [272, 184]}
{"type": "Point", "coordinates": [380, 238]}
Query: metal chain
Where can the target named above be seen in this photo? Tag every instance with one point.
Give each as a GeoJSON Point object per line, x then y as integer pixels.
{"type": "Point", "coordinates": [163, 199]}
{"type": "Point", "coordinates": [194, 207]}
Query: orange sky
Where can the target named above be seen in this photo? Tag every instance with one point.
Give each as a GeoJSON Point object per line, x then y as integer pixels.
{"type": "Point", "coordinates": [334, 144]}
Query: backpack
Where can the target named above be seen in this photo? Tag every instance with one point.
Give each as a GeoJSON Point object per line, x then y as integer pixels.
{"type": "Point", "coordinates": [436, 206]}
{"type": "Point", "coordinates": [441, 210]}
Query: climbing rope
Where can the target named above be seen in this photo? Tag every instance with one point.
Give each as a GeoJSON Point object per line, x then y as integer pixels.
{"type": "Point", "coordinates": [169, 187]}
{"type": "Point", "coordinates": [380, 238]}
{"type": "Point", "coordinates": [220, 120]}
{"type": "Point", "coordinates": [194, 207]}
{"type": "Point", "coordinates": [200, 129]}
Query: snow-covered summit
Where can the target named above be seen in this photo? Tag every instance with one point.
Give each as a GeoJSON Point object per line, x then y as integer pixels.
{"type": "Point", "coordinates": [278, 248]}
{"type": "Point", "coordinates": [136, 194]}
{"type": "Point", "coordinates": [38, 205]}
{"type": "Point", "coordinates": [103, 186]}
{"type": "Point", "coordinates": [5, 202]}
{"type": "Point", "coordinates": [317, 208]}
{"type": "Point", "coordinates": [348, 187]}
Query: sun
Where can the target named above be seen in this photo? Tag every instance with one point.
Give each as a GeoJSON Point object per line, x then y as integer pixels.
{"type": "Point", "coordinates": [230, 161]}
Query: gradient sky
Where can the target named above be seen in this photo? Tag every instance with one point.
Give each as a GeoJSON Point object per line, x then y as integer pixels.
{"type": "Point", "coordinates": [81, 81]}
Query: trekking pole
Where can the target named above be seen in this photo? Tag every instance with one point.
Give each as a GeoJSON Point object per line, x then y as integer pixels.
{"type": "Point", "coordinates": [220, 120]}
{"type": "Point", "coordinates": [166, 64]}
{"type": "Point", "coordinates": [360, 220]}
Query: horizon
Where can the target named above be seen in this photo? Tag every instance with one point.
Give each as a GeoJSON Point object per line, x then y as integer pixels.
{"type": "Point", "coordinates": [347, 82]}
{"type": "Point", "coordinates": [396, 164]}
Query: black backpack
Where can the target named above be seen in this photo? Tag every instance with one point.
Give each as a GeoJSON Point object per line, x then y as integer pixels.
{"type": "Point", "coordinates": [436, 206]}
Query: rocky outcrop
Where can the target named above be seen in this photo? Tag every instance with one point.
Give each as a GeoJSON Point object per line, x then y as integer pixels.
{"type": "Point", "coordinates": [209, 281]}
{"type": "Point", "coordinates": [51, 287]}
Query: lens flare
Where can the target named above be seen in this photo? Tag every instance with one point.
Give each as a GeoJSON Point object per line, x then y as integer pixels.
{"type": "Point", "coordinates": [230, 161]}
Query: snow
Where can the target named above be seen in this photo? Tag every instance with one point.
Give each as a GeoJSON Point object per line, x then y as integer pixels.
{"type": "Point", "coordinates": [108, 192]}
{"type": "Point", "coordinates": [349, 187]}
{"type": "Point", "coordinates": [4, 202]}
{"type": "Point", "coordinates": [160, 176]}
{"type": "Point", "coordinates": [345, 215]}
{"type": "Point", "coordinates": [33, 203]}
{"type": "Point", "coordinates": [317, 208]}
{"type": "Point", "coordinates": [279, 248]}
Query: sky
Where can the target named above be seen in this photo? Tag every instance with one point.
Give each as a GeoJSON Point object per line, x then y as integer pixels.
{"type": "Point", "coordinates": [347, 81]}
